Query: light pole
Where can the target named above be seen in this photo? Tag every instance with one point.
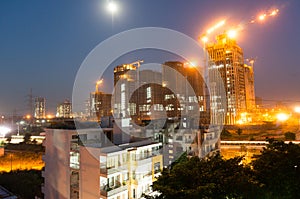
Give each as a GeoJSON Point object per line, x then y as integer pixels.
{"type": "Point", "coordinates": [18, 125]}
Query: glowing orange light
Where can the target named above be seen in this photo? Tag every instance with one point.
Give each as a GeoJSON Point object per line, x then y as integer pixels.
{"type": "Point", "coordinates": [99, 82]}
{"type": "Point", "coordinates": [232, 33]}
{"type": "Point", "coordinates": [274, 12]}
{"type": "Point", "coordinates": [50, 116]}
{"type": "Point", "coordinates": [282, 116]}
{"type": "Point", "coordinates": [28, 116]}
{"type": "Point", "coordinates": [297, 109]}
{"type": "Point", "coordinates": [204, 39]}
{"type": "Point", "coordinates": [262, 17]}
{"type": "Point", "coordinates": [218, 25]}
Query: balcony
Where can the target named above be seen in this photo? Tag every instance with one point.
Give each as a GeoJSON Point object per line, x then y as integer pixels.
{"type": "Point", "coordinates": [74, 147]}
{"type": "Point", "coordinates": [139, 157]}
{"type": "Point", "coordinates": [111, 170]}
{"type": "Point", "coordinates": [108, 191]}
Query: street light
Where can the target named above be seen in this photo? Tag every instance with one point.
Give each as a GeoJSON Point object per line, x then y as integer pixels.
{"type": "Point", "coordinates": [112, 7]}
{"type": "Point", "coordinates": [4, 130]}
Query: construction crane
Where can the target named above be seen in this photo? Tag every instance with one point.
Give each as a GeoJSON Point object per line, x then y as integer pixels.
{"type": "Point", "coordinates": [97, 85]}
{"type": "Point", "coordinates": [138, 63]}
{"type": "Point", "coordinates": [251, 60]}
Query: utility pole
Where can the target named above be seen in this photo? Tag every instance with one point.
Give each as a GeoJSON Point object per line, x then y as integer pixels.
{"type": "Point", "coordinates": [30, 104]}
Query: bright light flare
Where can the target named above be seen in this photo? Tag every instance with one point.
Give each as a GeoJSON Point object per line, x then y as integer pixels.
{"type": "Point", "coordinates": [274, 12]}
{"type": "Point", "coordinates": [232, 34]}
{"type": "Point", "coordinates": [112, 7]}
{"type": "Point", "coordinates": [191, 64]}
{"type": "Point", "coordinates": [282, 117]}
{"type": "Point", "coordinates": [218, 25]}
{"type": "Point", "coordinates": [297, 109]}
{"type": "Point", "coordinates": [99, 82]}
{"type": "Point", "coordinates": [262, 17]}
{"type": "Point", "coordinates": [50, 116]}
{"type": "Point", "coordinates": [204, 39]}
{"type": "Point", "coordinates": [4, 130]}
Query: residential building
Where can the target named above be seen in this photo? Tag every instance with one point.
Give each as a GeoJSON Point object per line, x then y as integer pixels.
{"type": "Point", "coordinates": [78, 165]}
{"type": "Point", "coordinates": [186, 95]}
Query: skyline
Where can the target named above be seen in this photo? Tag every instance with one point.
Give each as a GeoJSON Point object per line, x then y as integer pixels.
{"type": "Point", "coordinates": [43, 44]}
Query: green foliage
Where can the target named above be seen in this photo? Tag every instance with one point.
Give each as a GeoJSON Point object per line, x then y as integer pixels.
{"type": "Point", "coordinates": [25, 147]}
{"type": "Point", "coordinates": [290, 136]}
{"type": "Point", "coordinates": [26, 184]}
{"type": "Point", "coordinates": [277, 168]}
{"type": "Point", "coordinates": [273, 174]}
{"type": "Point", "coordinates": [207, 178]}
{"type": "Point", "coordinates": [70, 125]}
{"type": "Point", "coordinates": [181, 159]}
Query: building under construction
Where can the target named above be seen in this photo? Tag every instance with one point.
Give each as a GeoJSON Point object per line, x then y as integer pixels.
{"type": "Point", "coordinates": [226, 57]}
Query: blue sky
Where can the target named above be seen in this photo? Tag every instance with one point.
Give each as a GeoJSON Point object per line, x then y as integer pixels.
{"type": "Point", "coordinates": [43, 43]}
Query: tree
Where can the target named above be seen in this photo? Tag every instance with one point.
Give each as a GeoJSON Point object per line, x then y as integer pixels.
{"type": "Point", "coordinates": [290, 136]}
{"type": "Point", "coordinates": [277, 168]}
{"type": "Point", "coordinates": [26, 184]}
{"type": "Point", "coordinates": [27, 138]}
{"type": "Point", "coordinates": [272, 174]}
{"type": "Point", "coordinates": [207, 178]}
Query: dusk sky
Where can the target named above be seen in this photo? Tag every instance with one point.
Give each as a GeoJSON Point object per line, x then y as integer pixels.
{"type": "Point", "coordinates": [43, 43]}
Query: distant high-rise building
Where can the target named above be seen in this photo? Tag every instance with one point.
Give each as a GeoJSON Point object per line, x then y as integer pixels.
{"type": "Point", "coordinates": [64, 110]}
{"type": "Point", "coordinates": [249, 86]}
{"type": "Point", "coordinates": [126, 81]}
{"type": "Point", "coordinates": [100, 105]}
{"type": "Point", "coordinates": [226, 57]}
{"type": "Point", "coordinates": [148, 97]}
{"type": "Point", "coordinates": [186, 93]}
{"type": "Point", "coordinates": [40, 108]}
{"type": "Point", "coordinates": [173, 100]}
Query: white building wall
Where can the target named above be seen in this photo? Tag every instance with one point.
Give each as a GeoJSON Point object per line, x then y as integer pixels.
{"type": "Point", "coordinates": [57, 161]}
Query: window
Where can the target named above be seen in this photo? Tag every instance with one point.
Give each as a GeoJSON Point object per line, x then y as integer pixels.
{"type": "Point", "coordinates": [133, 193]}
{"type": "Point", "coordinates": [148, 92]}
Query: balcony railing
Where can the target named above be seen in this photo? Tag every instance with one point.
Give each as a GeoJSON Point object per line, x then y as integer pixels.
{"type": "Point", "coordinates": [138, 157]}
{"type": "Point", "coordinates": [112, 190]}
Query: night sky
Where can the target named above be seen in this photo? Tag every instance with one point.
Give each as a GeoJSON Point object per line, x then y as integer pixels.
{"type": "Point", "coordinates": [43, 43]}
